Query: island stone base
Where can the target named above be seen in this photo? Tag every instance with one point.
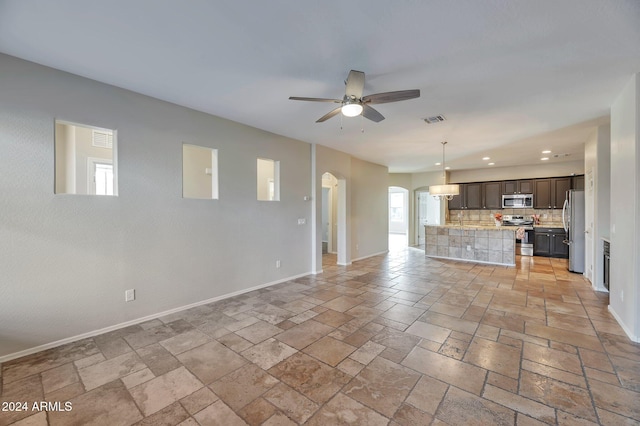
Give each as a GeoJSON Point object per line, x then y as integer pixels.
{"type": "Point", "coordinates": [493, 245]}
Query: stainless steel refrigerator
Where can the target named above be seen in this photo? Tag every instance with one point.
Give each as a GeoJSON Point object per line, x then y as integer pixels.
{"type": "Point", "coordinates": [574, 225]}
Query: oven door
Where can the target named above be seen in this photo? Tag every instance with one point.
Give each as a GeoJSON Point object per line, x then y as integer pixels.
{"type": "Point", "coordinates": [524, 246]}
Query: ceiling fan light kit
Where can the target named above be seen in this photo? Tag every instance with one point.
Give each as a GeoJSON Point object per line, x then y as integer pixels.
{"type": "Point", "coordinates": [444, 191]}
{"type": "Point", "coordinates": [351, 109]}
{"type": "Point", "coordinates": [354, 104]}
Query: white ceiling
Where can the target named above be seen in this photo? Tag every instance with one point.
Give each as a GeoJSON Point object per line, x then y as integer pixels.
{"type": "Point", "coordinates": [512, 77]}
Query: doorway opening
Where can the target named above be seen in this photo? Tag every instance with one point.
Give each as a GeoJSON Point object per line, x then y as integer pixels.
{"type": "Point", "coordinates": [398, 218]}
{"type": "Point", "coordinates": [334, 249]}
{"type": "Point", "coordinates": [427, 213]}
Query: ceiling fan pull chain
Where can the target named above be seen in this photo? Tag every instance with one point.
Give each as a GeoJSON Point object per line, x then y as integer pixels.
{"type": "Point", "coordinates": [362, 123]}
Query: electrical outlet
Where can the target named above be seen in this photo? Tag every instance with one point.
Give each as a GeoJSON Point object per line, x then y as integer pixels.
{"type": "Point", "coordinates": [129, 295]}
{"type": "Point", "coordinates": [357, 247]}
{"type": "Point", "coordinates": [277, 263]}
{"type": "Point", "coordinates": [302, 221]}
{"type": "Point", "coordinates": [468, 248]}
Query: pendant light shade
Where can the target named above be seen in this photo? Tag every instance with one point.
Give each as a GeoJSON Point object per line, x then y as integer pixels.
{"type": "Point", "coordinates": [444, 191]}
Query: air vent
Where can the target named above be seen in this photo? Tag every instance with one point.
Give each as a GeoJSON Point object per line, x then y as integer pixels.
{"type": "Point", "coordinates": [434, 119]}
{"type": "Point", "coordinates": [560, 155]}
{"type": "Point", "coordinates": [102, 139]}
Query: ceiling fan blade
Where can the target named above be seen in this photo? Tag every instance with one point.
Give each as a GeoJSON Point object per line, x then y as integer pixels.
{"type": "Point", "coordinates": [355, 84]}
{"type": "Point", "coordinates": [297, 98]}
{"type": "Point", "coordinates": [383, 98]}
{"type": "Point", "coordinates": [371, 114]}
{"type": "Point", "coordinates": [329, 115]}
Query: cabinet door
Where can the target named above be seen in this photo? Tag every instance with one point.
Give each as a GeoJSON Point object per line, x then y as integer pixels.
{"type": "Point", "coordinates": [525, 186]}
{"type": "Point", "coordinates": [560, 188]}
{"type": "Point", "coordinates": [473, 196]}
{"type": "Point", "coordinates": [457, 203]}
{"type": "Point", "coordinates": [510, 187]}
{"type": "Point", "coordinates": [542, 194]}
{"type": "Point", "coordinates": [558, 248]}
{"type": "Point", "coordinates": [492, 195]}
{"type": "Point", "coordinates": [578, 182]}
{"type": "Point", "coordinates": [541, 244]}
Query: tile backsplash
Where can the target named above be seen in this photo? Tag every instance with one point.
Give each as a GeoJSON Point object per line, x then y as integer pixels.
{"type": "Point", "coordinates": [486, 217]}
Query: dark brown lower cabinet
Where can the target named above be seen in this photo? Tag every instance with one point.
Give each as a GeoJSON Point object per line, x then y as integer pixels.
{"type": "Point", "coordinates": [548, 242]}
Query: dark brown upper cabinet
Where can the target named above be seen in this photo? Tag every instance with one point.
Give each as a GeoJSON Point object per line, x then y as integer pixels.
{"type": "Point", "coordinates": [577, 182]}
{"type": "Point", "coordinates": [550, 193]}
{"type": "Point", "coordinates": [470, 197]}
{"type": "Point", "coordinates": [492, 195]}
{"type": "Point", "coordinates": [517, 186]}
{"type": "Point", "coordinates": [542, 194]}
{"type": "Point", "coordinates": [456, 203]}
{"type": "Point", "coordinates": [560, 188]}
{"type": "Point", "coordinates": [473, 195]}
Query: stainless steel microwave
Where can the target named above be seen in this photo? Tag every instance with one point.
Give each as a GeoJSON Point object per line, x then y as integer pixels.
{"type": "Point", "coordinates": [517, 201]}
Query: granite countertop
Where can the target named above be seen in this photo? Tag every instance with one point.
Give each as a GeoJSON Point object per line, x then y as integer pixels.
{"type": "Point", "coordinates": [491, 226]}
{"type": "Point", "coordinates": [486, 227]}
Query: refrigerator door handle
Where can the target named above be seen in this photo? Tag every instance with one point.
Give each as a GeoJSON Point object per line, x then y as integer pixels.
{"type": "Point", "coordinates": [564, 214]}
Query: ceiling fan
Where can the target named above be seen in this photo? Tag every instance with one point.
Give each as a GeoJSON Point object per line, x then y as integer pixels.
{"type": "Point", "coordinates": [354, 104]}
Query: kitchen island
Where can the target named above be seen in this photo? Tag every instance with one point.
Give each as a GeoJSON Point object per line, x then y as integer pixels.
{"type": "Point", "coordinates": [485, 244]}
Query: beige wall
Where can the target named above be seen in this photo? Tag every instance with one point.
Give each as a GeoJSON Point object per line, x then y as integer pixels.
{"type": "Point", "coordinates": [369, 209]}
{"type": "Point", "coordinates": [519, 172]}
{"type": "Point", "coordinates": [63, 276]}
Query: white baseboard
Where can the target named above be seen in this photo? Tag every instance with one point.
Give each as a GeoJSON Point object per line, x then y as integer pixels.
{"type": "Point", "coordinates": [370, 255]}
{"type": "Point", "coordinates": [628, 332]}
{"type": "Point", "coordinates": [71, 339]}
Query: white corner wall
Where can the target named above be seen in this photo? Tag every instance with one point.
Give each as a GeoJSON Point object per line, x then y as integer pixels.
{"type": "Point", "coordinates": [624, 299]}
{"type": "Point", "coordinates": [66, 260]}
{"type": "Point", "coordinates": [597, 160]}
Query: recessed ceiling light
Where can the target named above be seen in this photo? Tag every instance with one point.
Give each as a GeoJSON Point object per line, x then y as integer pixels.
{"type": "Point", "coordinates": [546, 151]}
{"type": "Point", "coordinates": [438, 164]}
{"type": "Point", "coordinates": [544, 158]}
{"type": "Point", "coordinates": [491, 164]}
{"type": "Point", "coordinates": [486, 158]}
{"type": "Point", "coordinates": [447, 168]}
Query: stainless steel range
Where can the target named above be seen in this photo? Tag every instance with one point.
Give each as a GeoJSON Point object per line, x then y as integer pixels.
{"type": "Point", "coordinates": [524, 244]}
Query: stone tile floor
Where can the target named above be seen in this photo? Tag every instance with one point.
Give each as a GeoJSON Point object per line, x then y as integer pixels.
{"type": "Point", "coordinates": [398, 339]}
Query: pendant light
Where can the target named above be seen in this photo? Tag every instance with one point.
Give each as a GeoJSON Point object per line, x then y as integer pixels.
{"type": "Point", "coordinates": [444, 191]}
